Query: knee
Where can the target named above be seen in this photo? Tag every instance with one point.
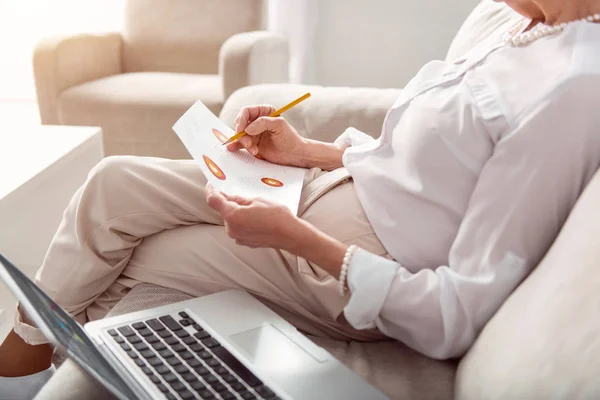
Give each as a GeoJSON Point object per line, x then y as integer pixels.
{"type": "Point", "coordinates": [111, 172]}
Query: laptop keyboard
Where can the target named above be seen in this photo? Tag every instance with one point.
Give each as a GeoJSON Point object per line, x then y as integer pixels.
{"type": "Point", "coordinates": [186, 362]}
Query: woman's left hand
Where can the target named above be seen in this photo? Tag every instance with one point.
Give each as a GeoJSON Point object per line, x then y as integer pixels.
{"type": "Point", "coordinates": [255, 222]}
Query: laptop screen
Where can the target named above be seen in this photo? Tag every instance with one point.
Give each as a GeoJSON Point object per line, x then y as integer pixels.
{"type": "Point", "coordinates": [63, 330]}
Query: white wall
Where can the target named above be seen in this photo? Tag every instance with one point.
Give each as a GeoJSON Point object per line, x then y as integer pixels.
{"type": "Point", "coordinates": [381, 43]}
{"type": "Point", "coordinates": [24, 22]}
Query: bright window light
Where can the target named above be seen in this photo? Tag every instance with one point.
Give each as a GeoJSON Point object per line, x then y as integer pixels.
{"type": "Point", "coordinates": [24, 22]}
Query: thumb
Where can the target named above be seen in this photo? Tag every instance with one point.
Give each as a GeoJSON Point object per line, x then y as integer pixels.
{"type": "Point", "coordinates": [242, 201]}
{"type": "Point", "coordinates": [219, 203]}
{"type": "Point", "coordinates": [265, 124]}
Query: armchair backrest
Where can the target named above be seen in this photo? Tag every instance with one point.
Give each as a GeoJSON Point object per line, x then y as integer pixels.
{"type": "Point", "coordinates": [183, 35]}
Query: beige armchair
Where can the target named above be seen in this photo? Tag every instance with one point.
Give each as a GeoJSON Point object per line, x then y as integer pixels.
{"type": "Point", "coordinates": [135, 84]}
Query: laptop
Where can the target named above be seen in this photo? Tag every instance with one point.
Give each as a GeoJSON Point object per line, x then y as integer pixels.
{"type": "Point", "coordinates": [223, 346]}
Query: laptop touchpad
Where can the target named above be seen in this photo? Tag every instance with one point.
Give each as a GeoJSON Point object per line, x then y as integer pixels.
{"type": "Point", "coordinates": [267, 344]}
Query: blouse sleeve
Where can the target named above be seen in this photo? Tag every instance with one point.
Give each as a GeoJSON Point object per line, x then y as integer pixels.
{"type": "Point", "coordinates": [523, 196]}
{"type": "Point", "coordinates": [353, 137]}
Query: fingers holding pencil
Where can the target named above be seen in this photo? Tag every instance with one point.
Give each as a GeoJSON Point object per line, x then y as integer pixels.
{"type": "Point", "coordinates": [257, 130]}
{"type": "Point", "coordinates": [249, 114]}
{"type": "Point", "coordinates": [270, 138]}
{"type": "Point", "coordinates": [248, 111]}
{"type": "Point", "coordinates": [246, 117]}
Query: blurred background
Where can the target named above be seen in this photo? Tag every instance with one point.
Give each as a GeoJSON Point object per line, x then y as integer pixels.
{"type": "Point", "coordinates": [22, 25]}
{"type": "Point", "coordinates": [374, 43]}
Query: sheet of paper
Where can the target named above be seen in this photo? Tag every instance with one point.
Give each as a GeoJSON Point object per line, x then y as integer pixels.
{"type": "Point", "coordinates": [237, 173]}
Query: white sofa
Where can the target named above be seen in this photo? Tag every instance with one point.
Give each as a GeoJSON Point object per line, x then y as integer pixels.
{"type": "Point", "coordinates": [543, 342]}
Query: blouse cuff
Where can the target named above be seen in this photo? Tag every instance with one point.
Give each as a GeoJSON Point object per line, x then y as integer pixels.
{"type": "Point", "coordinates": [369, 279]}
{"type": "Point", "coordinates": [352, 137]}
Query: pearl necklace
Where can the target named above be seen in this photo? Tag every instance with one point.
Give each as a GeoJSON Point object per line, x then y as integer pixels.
{"type": "Point", "coordinates": [539, 31]}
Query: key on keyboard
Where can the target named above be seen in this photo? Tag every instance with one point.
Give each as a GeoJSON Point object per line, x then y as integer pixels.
{"type": "Point", "coordinates": [145, 332]}
{"type": "Point", "coordinates": [236, 366]}
{"type": "Point", "coordinates": [193, 363]}
{"type": "Point", "coordinates": [138, 325]}
{"type": "Point", "coordinates": [202, 335]}
{"type": "Point", "coordinates": [158, 346]}
{"type": "Point", "coordinates": [152, 339]}
{"type": "Point", "coordinates": [155, 325]}
{"type": "Point", "coordinates": [170, 323]}
{"type": "Point", "coordinates": [190, 341]}
{"type": "Point", "coordinates": [141, 346]}
{"type": "Point", "coordinates": [210, 343]}
{"type": "Point", "coordinates": [134, 339]}
{"type": "Point", "coordinates": [126, 331]}
{"type": "Point", "coordinates": [182, 334]}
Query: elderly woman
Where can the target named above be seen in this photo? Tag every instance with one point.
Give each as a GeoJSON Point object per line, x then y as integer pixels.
{"type": "Point", "coordinates": [420, 238]}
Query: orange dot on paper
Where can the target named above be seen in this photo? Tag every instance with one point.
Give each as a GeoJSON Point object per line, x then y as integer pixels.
{"type": "Point", "coordinates": [214, 168]}
{"type": "Point", "coordinates": [272, 182]}
{"type": "Point", "coordinates": [219, 135]}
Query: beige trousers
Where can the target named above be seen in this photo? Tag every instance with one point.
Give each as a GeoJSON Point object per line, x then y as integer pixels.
{"type": "Point", "coordinates": [145, 220]}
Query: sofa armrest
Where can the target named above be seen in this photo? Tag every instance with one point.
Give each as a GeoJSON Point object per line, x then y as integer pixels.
{"type": "Point", "coordinates": [63, 62]}
{"type": "Point", "coordinates": [543, 341]}
{"type": "Point", "coordinates": [252, 58]}
{"type": "Point", "coordinates": [326, 114]}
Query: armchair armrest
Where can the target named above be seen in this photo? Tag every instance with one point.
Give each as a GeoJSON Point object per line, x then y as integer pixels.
{"type": "Point", "coordinates": [326, 114]}
{"type": "Point", "coordinates": [251, 58]}
{"type": "Point", "coordinates": [63, 62]}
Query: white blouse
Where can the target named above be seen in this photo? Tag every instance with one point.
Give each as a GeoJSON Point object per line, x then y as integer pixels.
{"type": "Point", "coordinates": [478, 165]}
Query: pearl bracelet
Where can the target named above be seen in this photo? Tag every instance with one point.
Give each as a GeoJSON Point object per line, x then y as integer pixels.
{"type": "Point", "coordinates": [344, 270]}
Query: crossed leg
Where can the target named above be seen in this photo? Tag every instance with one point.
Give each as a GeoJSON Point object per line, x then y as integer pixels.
{"type": "Point", "coordinates": [146, 220]}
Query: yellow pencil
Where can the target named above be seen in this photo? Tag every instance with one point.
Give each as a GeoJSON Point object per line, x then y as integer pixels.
{"type": "Point", "coordinates": [276, 113]}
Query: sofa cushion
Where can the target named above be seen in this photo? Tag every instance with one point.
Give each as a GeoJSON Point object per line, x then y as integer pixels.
{"type": "Point", "coordinates": [324, 116]}
{"type": "Point", "coordinates": [136, 111]}
{"type": "Point", "coordinates": [544, 342]}
{"type": "Point", "coordinates": [489, 21]}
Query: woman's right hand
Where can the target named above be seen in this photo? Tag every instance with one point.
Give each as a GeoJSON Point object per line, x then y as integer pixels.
{"type": "Point", "coordinates": [269, 138]}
